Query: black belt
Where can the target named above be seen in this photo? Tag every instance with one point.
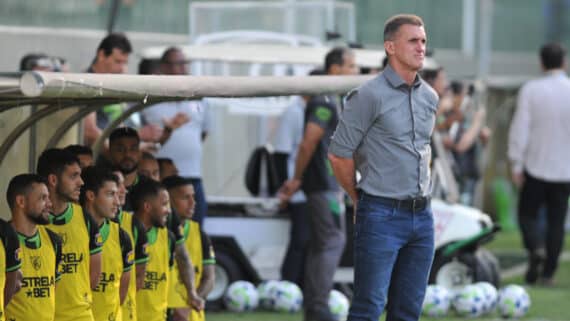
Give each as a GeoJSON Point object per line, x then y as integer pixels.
{"type": "Point", "coordinates": [411, 204]}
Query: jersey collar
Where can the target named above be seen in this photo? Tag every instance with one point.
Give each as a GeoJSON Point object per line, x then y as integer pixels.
{"type": "Point", "coordinates": [32, 242]}
{"type": "Point", "coordinates": [152, 235]}
{"type": "Point", "coordinates": [104, 230]}
{"type": "Point", "coordinates": [63, 218]}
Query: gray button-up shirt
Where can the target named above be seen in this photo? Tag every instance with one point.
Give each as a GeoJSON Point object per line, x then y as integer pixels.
{"type": "Point", "coordinates": [386, 127]}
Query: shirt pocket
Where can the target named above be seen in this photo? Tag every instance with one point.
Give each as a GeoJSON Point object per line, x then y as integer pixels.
{"type": "Point", "coordinates": [396, 121]}
{"type": "Point", "coordinates": [425, 120]}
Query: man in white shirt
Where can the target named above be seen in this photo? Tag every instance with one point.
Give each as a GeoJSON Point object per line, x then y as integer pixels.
{"type": "Point", "coordinates": [184, 146]}
{"type": "Point", "coordinates": [540, 161]}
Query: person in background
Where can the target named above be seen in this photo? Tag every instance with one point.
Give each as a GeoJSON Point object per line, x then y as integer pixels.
{"type": "Point", "coordinates": [538, 152]}
{"type": "Point", "coordinates": [166, 167]}
{"type": "Point", "coordinates": [10, 263]}
{"type": "Point", "coordinates": [184, 146]}
{"type": "Point", "coordinates": [148, 166]}
{"type": "Point", "coordinates": [83, 153]}
{"type": "Point", "coordinates": [325, 199]}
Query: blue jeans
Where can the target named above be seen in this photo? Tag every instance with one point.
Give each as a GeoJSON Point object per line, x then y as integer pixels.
{"type": "Point", "coordinates": [393, 254]}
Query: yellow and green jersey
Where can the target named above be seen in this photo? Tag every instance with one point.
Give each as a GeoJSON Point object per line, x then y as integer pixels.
{"type": "Point", "coordinates": [10, 258]}
{"type": "Point", "coordinates": [41, 257]}
{"type": "Point", "coordinates": [132, 226]}
{"type": "Point", "coordinates": [152, 297]}
{"type": "Point", "coordinates": [117, 258]}
{"type": "Point", "coordinates": [81, 239]}
{"type": "Point", "coordinates": [201, 253]}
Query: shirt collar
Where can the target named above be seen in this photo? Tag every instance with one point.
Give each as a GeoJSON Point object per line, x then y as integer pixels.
{"type": "Point", "coordinates": [63, 218]}
{"type": "Point", "coordinates": [395, 80]}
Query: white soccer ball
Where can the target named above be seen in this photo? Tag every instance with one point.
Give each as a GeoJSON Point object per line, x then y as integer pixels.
{"type": "Point", "coordinates": [470, 301]}
{"type": "Point", "coordinates": [436, 301]}
{"type": "Point", "coordinates": [286, 296]}
{"type": "Point", "coordinates": [338, 304]}
{"type": "Point", "coordinates": [490, 295]}
{"type": "Point", "coordinates": [264, 289]}
{"type": "Point", "coordinates": [241, 296]}
{"type": "Point", "coordinates": [514, 301]}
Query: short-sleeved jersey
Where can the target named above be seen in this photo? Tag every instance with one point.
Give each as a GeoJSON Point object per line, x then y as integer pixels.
{"type": "Point", "coordinates": [41, 256]}
{"type": "Point", "coordinates": [81, 239]}
{"type": "Point", "coordinates": [201, 253]}
{"type": "Point", "coordinates": [10, 258]}
{"type": "Point", "coordinates": [318, 176]}
{"type": "Point", "coordinates": [106, 296]}
{"type": "Point", "coordinates": [152, 297]}
{"type": "Point", "coordinates": [134, 229]}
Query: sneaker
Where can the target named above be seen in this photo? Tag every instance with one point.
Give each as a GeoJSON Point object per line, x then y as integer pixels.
{"type": "Point", "coordinates": [535, 262]}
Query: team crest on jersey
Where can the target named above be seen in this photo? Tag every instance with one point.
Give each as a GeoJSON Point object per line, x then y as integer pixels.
{"type": "Point", "coordinates": [36, 262]}
{"type": "Point", "coordinates": [145, 249]}
{"type": "Point", "coordinates": [181, 229]}
{"type": "Point", "coordinates": [323, 114]}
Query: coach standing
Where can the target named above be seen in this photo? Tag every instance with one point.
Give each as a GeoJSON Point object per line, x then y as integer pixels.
{"type": "Point", "coordinates": [384, 133]}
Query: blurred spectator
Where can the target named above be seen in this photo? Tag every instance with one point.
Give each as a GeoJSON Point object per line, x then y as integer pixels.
{"type": "Point", "coordinates": [466, 130]}
{"type": "Point", "coordinates": [148, 166]}
{"type": "Point", "coordinates": [184, 145]}
{"type": "Point", "coordinates": [539, 156]}
{"type": "Point", "coordinates": [42, 62]}
{"type": "Point", "coordinates": [112, 58]}
{"type": "Point", "coordinates": [149, 67]}
{"type": "Point", "coordinates": [83, 153]}
{"type": "Point", "coordinates": [166, 167]}
{"type": "Point", "coordinates": [286, 143]}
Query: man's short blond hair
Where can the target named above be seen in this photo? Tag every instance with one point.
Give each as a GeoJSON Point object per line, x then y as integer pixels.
{"type": "Point", "coordinates": [395, 22]}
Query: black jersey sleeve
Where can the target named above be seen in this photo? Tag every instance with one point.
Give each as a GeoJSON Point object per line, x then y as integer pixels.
{"type": "Point", "coordinates": [175, 226]}
{"type": "Point", "coordinates": [141, 242]}
{"type": "Point", "coordinates": [95, 239]}
{"type": "Point", "coordinates": [208, 254]}
{"type": "Point", "coordinates": [171, 248]}
{"type": "Point", "coordinates": [57, 244]}
{"type": "Point", "coordinates": [127, 252]}
{"type": "Point", "coordinates": [11, 246]}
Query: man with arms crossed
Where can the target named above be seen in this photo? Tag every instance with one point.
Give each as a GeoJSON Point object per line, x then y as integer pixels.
{"type": "Point", "coordinates": [81, 266]}
{"type": "Point", "coordinates": [384, 133]}
{"type": "Point", "coordinates": [28, 199]}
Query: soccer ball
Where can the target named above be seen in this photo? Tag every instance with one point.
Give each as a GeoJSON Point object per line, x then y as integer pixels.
{"type": "Point", "coordinates": [264, 289]}
{"type": "Point", "coordinates": [470, 301]}
{"type": "Point", "coordinates": [490, 295]}
{"type": "Point", "coordinates": [436, 301]}
{"type": "Point", "coordinates": [338, 304]}
{"type": "Point", "coordinates": [286, 296]}
{"type": "Point", "coordinates": [514, 301]}
{"type": "Point", "coordinates": [241, 296]}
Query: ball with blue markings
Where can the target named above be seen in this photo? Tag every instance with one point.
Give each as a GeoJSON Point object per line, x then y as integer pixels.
{"type": "Point", "coordinates": [437, 301]}
{"type": "Point", "coordinates": [241, 296]}
{"type": "Point", "coordinates": [470, 301]}
{"type": "Point", "coordinates": [286, 297]}
{"type": "Point", "coordinates": [514, 301]}
{"type": "Point", "coordinates": [491, 296]}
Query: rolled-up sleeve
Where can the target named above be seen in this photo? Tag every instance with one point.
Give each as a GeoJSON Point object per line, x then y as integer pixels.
{"type": "Point", "coordinates": [357, 117]}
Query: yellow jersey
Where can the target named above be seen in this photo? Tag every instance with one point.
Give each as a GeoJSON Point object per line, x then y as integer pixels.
{"type": "Point", "coordinates": [201, 253]}
{"type": "Point", "coordinates": [80, 237]}
{"type": "Point", "coordinates": [10, 258]}
{"type": "Point", "coordinates": [106, 296]}
{"type": "Point", "coordinates": [41, 256]}
{"type": "Point", "coordinates": [152, 297]}
{"type": "Point", "coordinates": [137, 235]}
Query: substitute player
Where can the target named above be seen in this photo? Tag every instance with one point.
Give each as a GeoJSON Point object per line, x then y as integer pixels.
{"type": "Point", "coordinates": [137, 235]}
{"type": "Point", "coordinates": [100, 200]}
{"type": "Point", "coordinates": [198, 246]}
{"type": "Point", "coordinates": [28, 199]}
{"type": "Point", "coordinates": [81, 266]}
